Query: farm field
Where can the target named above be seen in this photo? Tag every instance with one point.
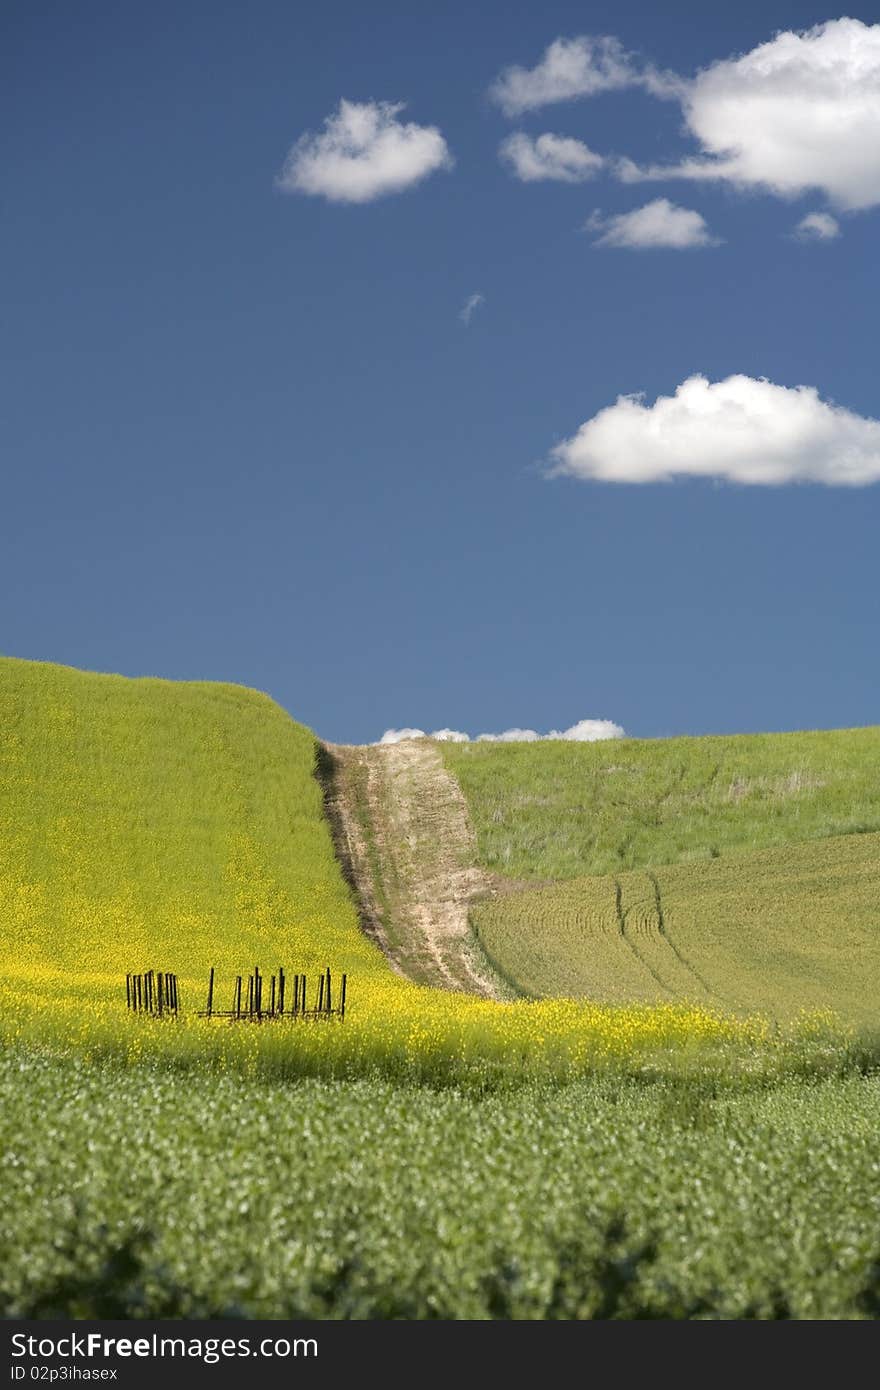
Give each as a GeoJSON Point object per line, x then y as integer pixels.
{"type": "Point", "coordinates": [775, 931]}
{"type": "Point", "coordinates": [438, 1153]}
{"type": "Point", "coordinates": [368, 1199]}
{"type": "Point", "coordinates": [154, 825]}
{"type": "Point", "coordinates": [554, 810]}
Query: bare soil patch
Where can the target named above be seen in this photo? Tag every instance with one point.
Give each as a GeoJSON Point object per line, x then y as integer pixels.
{"type": "Point", "coordinates": [404, 835]}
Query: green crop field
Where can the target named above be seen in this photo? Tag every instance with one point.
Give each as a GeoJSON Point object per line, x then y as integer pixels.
{"type": "Point", "coordinates": [127, 1193]}
{"type": "Point", "coordinates": [555, 810]}
{"type": "Point", "coordinates": [776, 931]}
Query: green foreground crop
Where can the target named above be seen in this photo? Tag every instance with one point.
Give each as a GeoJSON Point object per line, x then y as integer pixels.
{"type": "Point", "coordinates": [129, 1194]}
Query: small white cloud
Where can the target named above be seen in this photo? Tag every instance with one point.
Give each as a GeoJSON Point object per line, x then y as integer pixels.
{"type": "Point", "coordinates": [510, 736]}
{"type": "Point", "coordinates": [817, 226]}
{"type": "Point", "coordinates": [549, 157]}
{"type": "Point", "coordinates": [799, 112]}
{"type": "Point", "coordinates": [657, 224]}
{"type": "Point", "coordinates": [585, 731]}
{"type": "Point", "coordinates": [578, 67]}
{"type": "Point", "coordinates": [743, 429]}
{"type": "Point", "coordinates": [362, 153]}
{"type": "Point", "coordinates": [472, 302]}
{"type": "Point", "coordinates": [590, 731]}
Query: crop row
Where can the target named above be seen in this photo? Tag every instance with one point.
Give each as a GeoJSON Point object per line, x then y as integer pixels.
{"type": "Point", "coordinates": [769, 931]}
{"type": "Point", "coordinates": [367, 1199]}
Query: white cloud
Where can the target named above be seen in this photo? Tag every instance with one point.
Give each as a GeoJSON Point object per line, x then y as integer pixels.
{"type": "Point", "coordinates": [743, 429]}
{"type": "Point", "coordinates": [362, 153]}
{"type": "Point", "coordinates": [510, 736]}
{"type": "Point", "coordinates": [817, 226]}
{"type": "Point", "coordinates": [549, 157]}
{"type": "Point", "coordinates": [659, 223]}
{"type": "Point", "coordinates": [797, 113]}
{"type": "Point", "coordinates": [585, 731]}
{"type": "Point", "coordinates": [472, 302]}
{"type": "Point", "coordinates": [441, 735]}
{"type": "Point", "coordinates": [590, 731]}
{"type": "Point", "coordinates": [578, 67]}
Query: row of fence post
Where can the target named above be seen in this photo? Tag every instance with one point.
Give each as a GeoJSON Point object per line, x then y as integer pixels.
{"type": "Point", "coordinates": [284, 997]}
{"type": "Point", "coordinates": [153, 992]}
{"type": "Point", "coordinates": [156, 993]}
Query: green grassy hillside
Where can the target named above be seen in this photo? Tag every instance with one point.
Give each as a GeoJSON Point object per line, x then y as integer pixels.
{"type": "Point", "coordinates": [774, 931]}
{"type": "Point", "coordinates": [150, 823]}
{"type": "Point", "coordinates": [556, 810]}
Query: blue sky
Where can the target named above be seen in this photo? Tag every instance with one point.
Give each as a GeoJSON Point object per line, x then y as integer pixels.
{"type": "Point", "coordinates": [248, 436]}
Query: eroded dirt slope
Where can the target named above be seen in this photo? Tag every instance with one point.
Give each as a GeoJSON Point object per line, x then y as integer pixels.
{"type": "Point", "coordinates": [404, 835]}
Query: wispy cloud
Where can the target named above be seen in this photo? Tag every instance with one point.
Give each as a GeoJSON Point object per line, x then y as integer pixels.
{"type": "Point", "coordinates": [743, 429]}
{"type": "Point", "coordinates": [657, 224]}
{"type": "Point", "coordinates": [471, 304]}
{"type": "Point", "coordinates": [363, 152]}
{"type": "Point", "coordinates": [580, 67]}
{"type": "Point", "coordinates": [549, 157]}
{"type": "Point", "coordinates": [817, 226]}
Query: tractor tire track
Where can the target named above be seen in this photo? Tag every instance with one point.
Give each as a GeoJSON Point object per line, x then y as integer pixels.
{"type": "Point", "coordinates": [662, 929]}
{"type": "Point", "coordinates": [621, 926]}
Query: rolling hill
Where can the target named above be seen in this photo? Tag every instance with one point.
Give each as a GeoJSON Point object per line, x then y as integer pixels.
{"type": "Point", "coordinates": [742, 872]}
{"type": "Point", "coordinates": [774, 931]}
{"type": "Point", "coordinates": [160, 824]}
{"type": "Point", "coordinates": [554, 810]}
{"type": "Point", "coordinates": [406, 1162]}
{"type": "Point", "coordinates": [151, 824]}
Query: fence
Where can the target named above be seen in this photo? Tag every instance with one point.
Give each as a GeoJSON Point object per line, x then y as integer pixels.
{"type": "Point", "coordinates": [280, 997]}
{"type": "Point", "coordinates": [154, 992]}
